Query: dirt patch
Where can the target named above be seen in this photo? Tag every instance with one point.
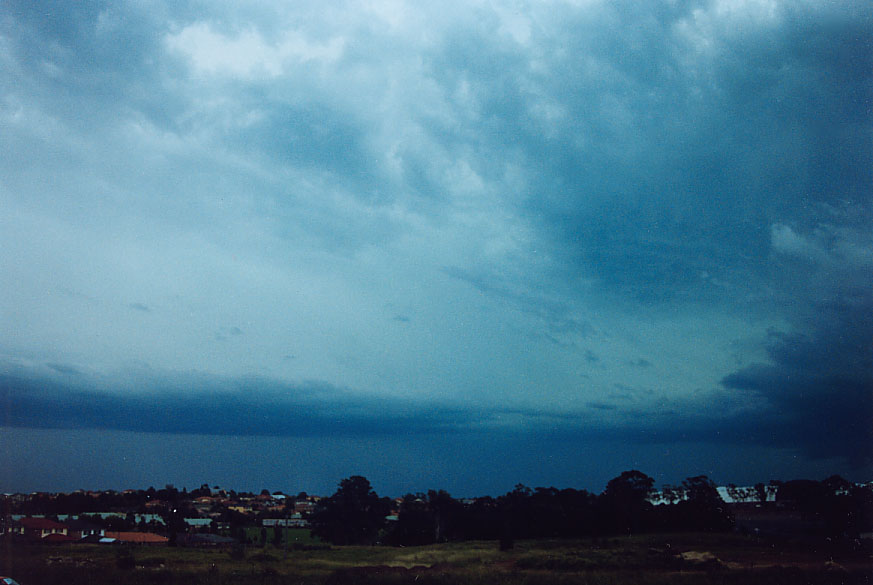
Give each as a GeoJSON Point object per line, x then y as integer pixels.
{"type": "Point", "coordinates": [696, 559]}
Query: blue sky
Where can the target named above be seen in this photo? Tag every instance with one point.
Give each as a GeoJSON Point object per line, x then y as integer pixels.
{"type": "Point", "coordinates": [457, 246]}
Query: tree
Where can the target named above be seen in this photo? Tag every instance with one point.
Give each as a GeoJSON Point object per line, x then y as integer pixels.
{"type": "Point", "coordinates": [355, 514]}
{"type": "Point", "coordinates": [804, 496]}
{"type": "Point", "coordinates": [624, 504]}
{"type": "Point", "coordinates": [578, 508]}
{"type": "Point", "coordinates": [482, 520]}
{"type": "Point", "coordinates": [761, 492]}
{"type": "Point", "coordinates": [446, 512]}
{"type": "Point", "coordinates": [672, 494]}
{"type": "Point", "coordinates": [175, 521]}
{"type": "Point", "coordinates": [515, 512]}
{"type": "Point", "coordinates": [833, 506]}
{"type": "Point", "coordinates": [632, 486]}
{"type": "Point", "coordinates": [414, 524]}
{"type": "Point", "coordinates": [704, 509]}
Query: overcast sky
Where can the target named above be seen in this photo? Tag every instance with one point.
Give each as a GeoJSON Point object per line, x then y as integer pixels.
{"type": "Point", "coordinates": [444, 245]}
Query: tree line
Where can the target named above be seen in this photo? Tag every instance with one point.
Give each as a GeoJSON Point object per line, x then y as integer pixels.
{"type": "Point", "coordinates": [355, 514]}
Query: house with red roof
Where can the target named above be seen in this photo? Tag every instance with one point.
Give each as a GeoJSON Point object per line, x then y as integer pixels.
{"type": "Point", "coordinates": [58, 538]}
{"type": "Point", "coordinates": [37, 528]}
{"type": "Point", "coordinates": [137, 537]}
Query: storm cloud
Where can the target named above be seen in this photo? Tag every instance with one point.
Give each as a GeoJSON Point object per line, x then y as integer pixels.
{"type": "Point", "coordinates": [563, 223]}
{"type": "Point", "coordinates": [820, 377]}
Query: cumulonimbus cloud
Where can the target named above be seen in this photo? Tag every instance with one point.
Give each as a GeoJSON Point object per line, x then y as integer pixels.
{"type": "Point", "coordinates": [820, 377]}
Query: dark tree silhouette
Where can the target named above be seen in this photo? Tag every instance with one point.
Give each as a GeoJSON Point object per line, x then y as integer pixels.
{"type": "Point", "coordinates": [761, 492]}
{"type": "Point", "coordinates": [515, 511]}
{"type": "Point", "coordinates": [425, 519]}
{"type": "Point", "coordinates": [834, 507]}
{"type": "Point", "coordinates": [355, 514]}
{"type": "Point", "coordinates": [704, 508]}
{"type": "Point", "coordinates": [624, 505]}
{"type": "Point", "coordinates": [445, 512]}
{"type": "Point", "coordinates": [414, 525]}
{"type": "Point", "coordinates": [482, 520]}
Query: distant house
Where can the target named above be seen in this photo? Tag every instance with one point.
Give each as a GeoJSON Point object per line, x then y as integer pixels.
{"type": "Point", "coordinates": [58, 538]}
{"type": "Point", "coordinates": [304, 506]}
{"type": "Point", "coordinates": [204, 504]}
{"type": "Point", "coordinates": [137, 537]}
{"type": "Point", "coordinates": [37, 528]}
{"type": "Point", "coordinates": [82, 528]}
{"type": "Point", "coordinates": [198, 523]}
{"type": "Point", "coordinates": [96, 539]}
{"type": "Point", "coordinates": [295, 521]}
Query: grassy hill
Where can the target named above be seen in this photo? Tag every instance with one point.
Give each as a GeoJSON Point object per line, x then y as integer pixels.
{"type": "Point", "coordinates": [650, 559]}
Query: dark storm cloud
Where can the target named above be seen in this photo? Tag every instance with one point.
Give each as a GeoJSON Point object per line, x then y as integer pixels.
{"type": "Point", "coordinates": [211, 406]}
{"type": "Point", "coordinates": [820, 379]}
{"type": "Point", "coordinates": [826, 417]}
{"type": "Point", "coordinates": [671, 165]}
{"type": "Point", "coordinates": [198, 403]}
{"type": "Point", "coordinates": [601, 405]}
{"type": "Point", "coordinates": [202, 404]}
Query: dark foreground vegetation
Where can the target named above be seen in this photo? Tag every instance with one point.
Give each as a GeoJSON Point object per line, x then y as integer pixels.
{"type": "Point", "coordinates": [832, 509]}
{"type": "Point", "coordinates": [699, 558]}
{"type": "Point", "coordinates": [355, 514]}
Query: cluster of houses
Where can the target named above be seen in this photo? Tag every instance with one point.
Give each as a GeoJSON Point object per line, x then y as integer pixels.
{"type": "Point", "coordinates": [200, 519]}
{"type": "Point", "coordinates": [212, 516]}
{"type": "Point", "coordinates": [76, 530]}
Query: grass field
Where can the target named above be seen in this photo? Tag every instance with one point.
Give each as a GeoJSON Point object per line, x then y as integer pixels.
{"type": "Point", "coordinates": [650, 559]}
{"type": "Point", "coordinates": [299, 536]}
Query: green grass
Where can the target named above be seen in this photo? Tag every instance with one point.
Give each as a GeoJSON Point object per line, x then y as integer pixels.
{"type": "Point", "coordinates": [645, 560]}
